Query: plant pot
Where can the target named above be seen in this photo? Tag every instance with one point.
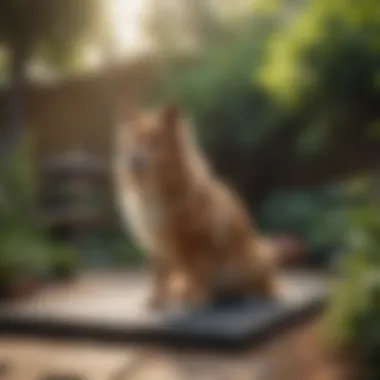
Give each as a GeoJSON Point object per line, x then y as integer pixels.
{"type": "Point", "coordinates": [19, 287]}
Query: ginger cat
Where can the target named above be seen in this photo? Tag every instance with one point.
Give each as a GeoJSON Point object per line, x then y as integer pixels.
{"type": "Point", "coordinates": [195, 229]}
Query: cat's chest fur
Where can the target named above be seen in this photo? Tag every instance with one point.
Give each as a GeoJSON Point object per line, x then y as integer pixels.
{"type": "Point", "coordinates": [145, 216]}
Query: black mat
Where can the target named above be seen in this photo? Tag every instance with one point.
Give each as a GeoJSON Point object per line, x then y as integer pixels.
{"type": "Point", "coordinates": [222, 325]}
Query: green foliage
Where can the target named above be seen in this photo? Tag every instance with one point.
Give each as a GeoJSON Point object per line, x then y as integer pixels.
{"type": "Point", "coordinates": [225, 106]}
{"type": "Point", "coordinates": [319, 215]}
{"type": "Point", "coordinates": [17, 183]}
{"type": "Point", "coordinates": [24, 246]}
{"type": "Point", "coordinates": [354, 312]}
{"type": "Point", "coordinates": [329, 50]}
{"type": "Point", "coordinates": [63, 261]}
{"type": "Point", "coordinates": [124, 252]}
{"type": "Point", "coordinates": [111, 247]}
{"type": "Point", "coordinates": [325, 61]}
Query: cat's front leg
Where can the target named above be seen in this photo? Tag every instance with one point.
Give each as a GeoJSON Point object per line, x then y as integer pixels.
{"type": "Point", "coordinates": [192, 286]}
{"type": "Point", "coordinates": [160, 290]}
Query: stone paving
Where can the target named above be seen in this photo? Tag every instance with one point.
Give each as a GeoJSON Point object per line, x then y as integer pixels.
{"type": "Point", "coordinates": [119, 298]}
{"type": "Point", "coordinates": [296, 355]}
{"type": "Point", "coordinates": [115, 297]}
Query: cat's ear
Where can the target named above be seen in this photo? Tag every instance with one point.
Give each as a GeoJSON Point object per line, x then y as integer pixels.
{"type": "Point", "coordinates": [171, 115]}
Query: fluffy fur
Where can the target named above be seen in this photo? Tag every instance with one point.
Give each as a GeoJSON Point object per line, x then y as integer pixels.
{"type": "Point", "coordinates": [196, 231]}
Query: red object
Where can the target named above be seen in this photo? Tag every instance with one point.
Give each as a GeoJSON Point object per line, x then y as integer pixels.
{"type": "Point", "coordinates": [21, 287]}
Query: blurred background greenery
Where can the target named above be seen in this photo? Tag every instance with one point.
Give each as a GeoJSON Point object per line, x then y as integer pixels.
{"type": "Point", "coordinates": [285, 96]}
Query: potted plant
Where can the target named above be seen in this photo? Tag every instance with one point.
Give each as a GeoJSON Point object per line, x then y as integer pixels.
{"type": "Point", "coordinates": [64, 262]}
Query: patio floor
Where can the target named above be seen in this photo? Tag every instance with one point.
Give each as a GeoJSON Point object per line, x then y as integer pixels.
{"type": "Point", "coordinates": [111, 306]}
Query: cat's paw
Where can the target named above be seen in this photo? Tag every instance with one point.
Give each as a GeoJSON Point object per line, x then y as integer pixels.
{"type": "Point", "coordinates": [155, 302]}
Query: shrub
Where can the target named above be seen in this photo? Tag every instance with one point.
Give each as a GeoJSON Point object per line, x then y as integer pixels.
{"type": "Point", "coordinates": [354, 313]}
{"type": "Point", "coordinates": [25, 249]}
